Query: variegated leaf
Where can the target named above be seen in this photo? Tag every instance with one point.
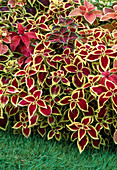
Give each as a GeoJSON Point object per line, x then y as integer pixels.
{"type": "Point", "coordinates": [26, 131]}
{"type": "Point", "coordinates": [82, 143]}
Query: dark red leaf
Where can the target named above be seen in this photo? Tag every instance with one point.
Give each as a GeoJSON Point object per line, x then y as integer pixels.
{"type": "Point", "coordinates": [4, 122]}
{"type": "Point", "coordinates": [45, 111]}
{"type": "Point", "coordinates": [93, 132]}
{"type": "Point", "coordinates": [25, 40]}
{"type": "Point", "coordinates": [15, 42]}
{"type": "Point", "coordinates": [65, 100]}
{"type": "Point", "coordinates": [17, 125]}
{"type": "Point", "coordinates": [51, 134]}
{"type": "Point", "coordinates": [32, 109]}
{"type": "Point", "coordinates": [74, 136]}
{"type": "Point", "coordinates": [73, 114]}
{"type": "Point", "coordinates": [33, 120]}
{"type": "Point", "coordinates": [82, 104]}
{"type": "Point", "coordinates": [21, 29]}
{"type": "Point", "coordinates": [26, 132]}
{"type": "Point", "coordinates": [82, 143]}
{"type": "Point", "coordinates": [81, 134]}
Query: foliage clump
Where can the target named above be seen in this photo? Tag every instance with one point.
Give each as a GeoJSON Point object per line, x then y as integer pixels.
{"type": "Point", "coordinates": [58, 70]}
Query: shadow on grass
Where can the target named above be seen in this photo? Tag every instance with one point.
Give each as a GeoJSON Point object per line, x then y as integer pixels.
{"type": "Point", "coordinates": [17, 152]}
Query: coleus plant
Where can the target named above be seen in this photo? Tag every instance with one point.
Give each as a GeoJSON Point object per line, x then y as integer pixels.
{"type": "Point", "coordinates": [58, 73]}
{"type": "Point", "coordinates": [87, 10]}
{"type": "Point", "coordinates": [109, 13]}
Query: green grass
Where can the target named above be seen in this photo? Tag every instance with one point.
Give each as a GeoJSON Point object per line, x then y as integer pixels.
{"type": "Point", "coordinates": [36, 153]}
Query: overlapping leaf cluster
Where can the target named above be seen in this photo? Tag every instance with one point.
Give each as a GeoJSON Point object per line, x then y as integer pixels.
{"type": "Point", "coordinates": [58, 70]}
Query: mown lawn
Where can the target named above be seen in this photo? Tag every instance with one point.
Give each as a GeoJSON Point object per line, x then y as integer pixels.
{"type": "Point", "coordinates": [36, 153]}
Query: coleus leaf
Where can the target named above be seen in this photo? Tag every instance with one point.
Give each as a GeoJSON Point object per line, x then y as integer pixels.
{"type": "Point", "coordinates": [99, 89]}
{"type": "Point", "coordinates": [15, 82]}
{"type": "Point", "coordinates": [37, 59]}
{"type": "Point", "coordinates": [51, 120]}
{"type": "Point", "coordinates": [75, 12]}
{"type": "Point", "coordinates": [20, 73]}
{"type": "Point", "coordinates": [65, 81]}
{"type": "Point", "coordinates": [81, 133]}
{"type": "Point", "coordinates": [25, 40]}
{"type": "Point", "coordinates": [82, 143]}
{"type": "Point", "coordinates": [102, 100]}
{"type": "Point", "coordinates": [23, 103]}
{"type": "Point", "coordinates": [104, 62]}
{"type": "Point", "coordinates": [32, 109]}
{"type": "Point", "coordinates": [24, 125]}
{"type": "Point", "coordinates": [39, 47]}
{"type": "Point", "coordinates": [11, 110]}
{"type": "Point", "coordinates": [45, 111]}
{"type": "Point", "coordinates": [43, 124]}
{"type": "Point", "coordinates": [96, 143]}
{"type": "Point", "coordinates": [37, 94]}
{"type": "Point", "coordinates": [26, 131]}
{"type": "Point", "coordinates": [77, 82]}
{"type": "Point", "coordinates": [65, 100]}
{"type": "Point", "coordinates": [102, 112]}
{"type": "Point", "coordinates": [54, 90]}
{"type": "Point", "coordinates": [74, 126]}
{"type": "Point", "coordinates": [41, 131]}
{"type": "Point", "coordinates": [21, 29]}
{"type": "Point", "coordinates": [29, 98]}
{"type": "Point", "coordinates": [71, 68]}
{"type": "Point", "coordinates": [54, 38]}
{"type": "Point", "coordinates": [12, 89]}
{"type": "Point", "coordinates": [58, 136]}
{"type": "Point", "coordinates": [17, 125]}
{"type": "Point", "coordinates": [4, 122]}
{"type": "Point", "coordinates": [3, 48]}
{"type": "Point", "coordinates": [92, 132]}
{"type": "Point", "coordinates": [72, 105]}
{"type": "Point", "coordinates": [92, 57]}
{"type": "Point", "coordinates": [52, 64]}
{"type": "Point", "coordinates": [82, 104]}
{"type": "Point", "coordinates": [15, 42]}
{"type": "Point", "coordinates": [75, 95]}
{"type": "Point", "coordinates": [57, 58]}
{"type": "Point", "coordinates": [73, 114]}
{"type": "Point", "coordinates": [74, 136]}
{"type": "Point", "coordinates": [44, 27]}
{"type": "Point", "coordinates": [33, 120]}
{"type": "Point", "coordinates": [51, 134]}
{"type": "Point", "coordinates": [87, 120]}
{"type": "Point", "coordinates": [31, 35]}
{"type": "Point", "coordinates": [90, 112]}
{"type": "Point", "coordinates": [110, 85]}
{"type": "Point", "coordinates": [32, 72]}
{"type": "Point", "coordinates": [4, 100]}
{"type": "Point", "coordinates": [4, 58]}
{"type": "Point", "coordinates": [90, 17]}
{"type": "Point", "coordinates": [42, 103]}
{"type": "Point", "coordinates": [42, 77]}
{"type": "Point", "coordinates": [30, 82]}
{"type": "Point", "coordinates": [106, 126]}
{"type": "Point", "coordinates": [14, 100]}
{"type": "Point", "coordinates": [56, 111]}
{"type": "Point", "coordinates": [2, 66]}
